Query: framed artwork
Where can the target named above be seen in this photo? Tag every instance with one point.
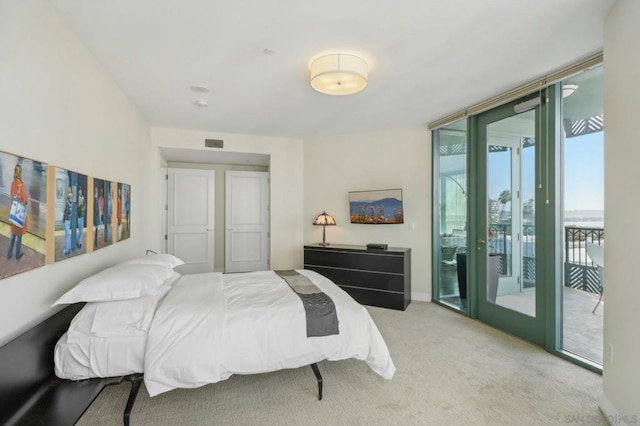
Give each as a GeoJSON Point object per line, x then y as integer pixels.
{"type": "Point", "coordinates": [102, 213]}
{"type": "Point", "coordinates": [23, 214]}
{"type": "Point", "coordinates": [48, 213]}
{"type": "Point", "coordinates": [70, 215]}
{"type": "Point", "coordinates": [379, 207]}
{"type": "Point", "coordinates": [123, 211]}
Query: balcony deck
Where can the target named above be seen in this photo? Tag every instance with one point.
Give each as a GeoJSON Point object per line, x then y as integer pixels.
{"type": "Point", "coordinates": [582, 330]}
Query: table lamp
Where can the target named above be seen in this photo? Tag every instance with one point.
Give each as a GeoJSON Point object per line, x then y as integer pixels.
{"type": "Point", "coordinates": [325, 220]}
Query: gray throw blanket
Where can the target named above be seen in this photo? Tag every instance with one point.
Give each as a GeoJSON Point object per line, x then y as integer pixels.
{"type": "Point", "coordinates": [322, 319]}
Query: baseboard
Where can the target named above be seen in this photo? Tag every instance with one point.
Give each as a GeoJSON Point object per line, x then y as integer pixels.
{"type": "Point", "coordinates": [613, 417]}
{"type": "Point", "coordinates": [421, 297]}
{"type": "Point", "coordinates": [607, 408]}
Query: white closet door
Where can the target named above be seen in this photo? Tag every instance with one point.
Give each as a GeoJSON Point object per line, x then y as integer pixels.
{"type": "Point", "coordinates": [246, 221]}
{"type": "Point", "coordinates": [190, 216]}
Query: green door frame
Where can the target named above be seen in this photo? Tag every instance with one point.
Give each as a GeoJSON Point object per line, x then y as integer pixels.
{"type": "Point", "coordinates": [472, 219]}
{"type": "Point", "coordinates": [519, 324]}
{"type": "Point", "coordinates": [552, 222]}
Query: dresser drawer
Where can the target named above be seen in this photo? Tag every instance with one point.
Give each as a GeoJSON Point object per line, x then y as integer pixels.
{"type": "Point", "coordinates": [377, 298]}
{"type": "Point", "coordinates": [371, 280]}
{"type": "Point", "coordinates": [355, 260]}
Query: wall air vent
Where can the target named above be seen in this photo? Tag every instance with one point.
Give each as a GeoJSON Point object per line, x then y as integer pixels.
{"type": "Point", "coordinates": [213, 143]}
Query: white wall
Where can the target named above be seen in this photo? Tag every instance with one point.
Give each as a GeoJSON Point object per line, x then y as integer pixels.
{"type": "Point", "coordinates": [396, 158]}
{"type": "Point", "coordinates": [59, 106]}
{"type": "Point", "coordinates": [621, 376]}
{"type": "Point", "coordinates": [286, 185]}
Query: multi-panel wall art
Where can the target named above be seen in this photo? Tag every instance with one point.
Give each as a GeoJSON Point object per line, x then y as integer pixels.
{"type": "Point", "coordinates": [48, 214]}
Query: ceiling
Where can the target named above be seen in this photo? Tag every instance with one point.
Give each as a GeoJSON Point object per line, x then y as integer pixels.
{"type": "Point", "coordinates": [427, 58]}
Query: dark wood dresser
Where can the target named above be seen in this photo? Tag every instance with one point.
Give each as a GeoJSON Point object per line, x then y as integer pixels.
{"type": "Point", "coordinates": [372, 277]}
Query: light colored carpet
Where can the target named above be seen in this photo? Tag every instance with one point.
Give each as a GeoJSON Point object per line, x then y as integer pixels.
{"type": "Point", "coordinates": [450, 370]}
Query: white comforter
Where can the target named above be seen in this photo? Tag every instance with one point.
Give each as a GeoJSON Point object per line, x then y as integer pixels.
{"type": "Point", "coordinates": [210, 326]}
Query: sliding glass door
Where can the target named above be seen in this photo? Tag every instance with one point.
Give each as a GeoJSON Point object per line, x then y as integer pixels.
{"type": "Point", "coordinates": [518, 201]}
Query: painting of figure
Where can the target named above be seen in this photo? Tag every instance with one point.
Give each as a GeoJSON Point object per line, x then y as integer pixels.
{"type": "Point", "coordinates": [70, 213]}
{"type": "Point", "coordinates": [23, 214]}
{"type": "Point", "coordinates": [123, 211]}
{"type": "Point", "coordinates": [102, 213]}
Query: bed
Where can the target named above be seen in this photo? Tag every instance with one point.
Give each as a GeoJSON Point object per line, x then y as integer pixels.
{"type": "Point", "coordinates": [186, 331]}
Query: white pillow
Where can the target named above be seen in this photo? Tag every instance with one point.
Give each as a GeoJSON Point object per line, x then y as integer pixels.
{"type": "Point", "coordinates": [162, 259]}
{"type": "Point", "coordinates": [118, 283]}
{"type": "Point", "coordinates": [129, 317]}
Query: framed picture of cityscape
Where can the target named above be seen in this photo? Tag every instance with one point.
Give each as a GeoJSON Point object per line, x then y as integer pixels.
{"type": "Point", "coordinates": [377, 207]}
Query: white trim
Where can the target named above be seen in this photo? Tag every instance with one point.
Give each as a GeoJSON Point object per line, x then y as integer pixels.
{"type": "Point", "coordinates": [613, 417]}
{"type": "Point", "coordinates": [420, 297]}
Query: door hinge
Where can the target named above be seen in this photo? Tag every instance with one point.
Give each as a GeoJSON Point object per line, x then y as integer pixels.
{"type": "Point", "coordinates": [518, 279]}
{"type": "Point", "coordinates": [268, 234]}
{"type": "Point", "coordinates": [165, 237]}
{"type": "Point", "coordinates": [166, 207]}
{"type": "Point", "coordinates": [166, 177]}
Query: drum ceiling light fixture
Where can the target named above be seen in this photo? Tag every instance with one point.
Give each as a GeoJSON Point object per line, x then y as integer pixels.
{"type": "Point", "coordinates": [339, 74]}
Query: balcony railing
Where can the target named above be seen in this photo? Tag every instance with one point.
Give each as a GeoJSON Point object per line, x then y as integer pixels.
{"type": "Point", "coordinates": [579, 271]}
{"type": "Point", "coordinates": [500, 243]}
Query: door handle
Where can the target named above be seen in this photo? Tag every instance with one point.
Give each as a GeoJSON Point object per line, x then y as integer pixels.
{"type": "Point", "coordinates": [479, 241]}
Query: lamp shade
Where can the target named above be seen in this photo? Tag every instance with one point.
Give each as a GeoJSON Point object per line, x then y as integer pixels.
{"type": "Point", "coordinates": [324, 219]}
{"type": "Point", "coordinates": [339, 74]}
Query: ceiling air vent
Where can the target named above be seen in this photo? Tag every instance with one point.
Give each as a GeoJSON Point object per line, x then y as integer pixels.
{"type": "Point", "coordinates": [213, 143]}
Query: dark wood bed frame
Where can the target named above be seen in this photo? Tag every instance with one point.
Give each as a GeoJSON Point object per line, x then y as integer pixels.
{"type": "Point", "coordinates": [30, 392]}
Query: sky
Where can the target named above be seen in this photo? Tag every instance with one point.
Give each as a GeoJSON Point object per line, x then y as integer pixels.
{"type": "Point", "coordinates": [583, 173]}
{"type": "Point", "coordinates": [375, 195]}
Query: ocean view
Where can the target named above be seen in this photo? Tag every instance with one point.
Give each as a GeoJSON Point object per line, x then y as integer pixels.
{"type": "Point", "coordinates": [500, 242]}
{"type": "Point", "coordinates": [584, 218]}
